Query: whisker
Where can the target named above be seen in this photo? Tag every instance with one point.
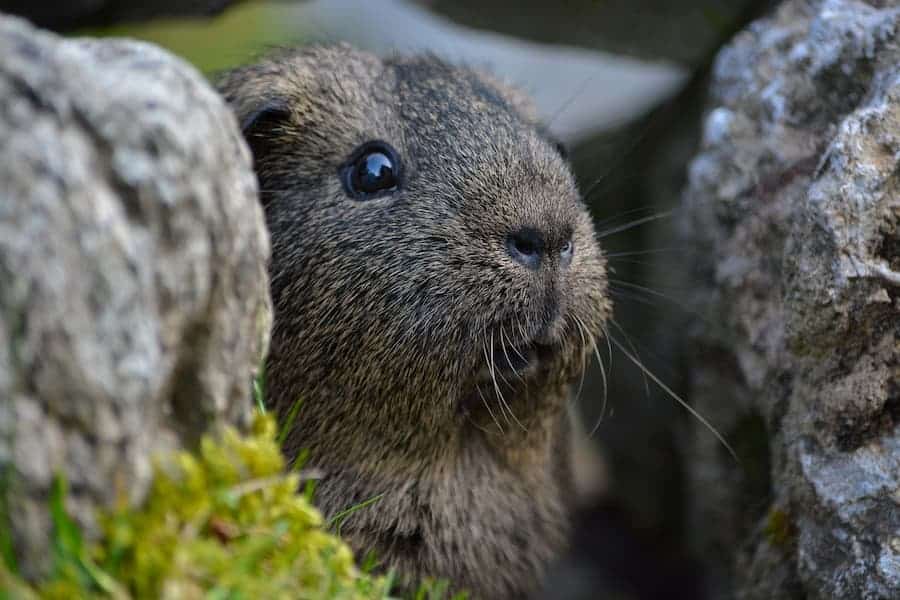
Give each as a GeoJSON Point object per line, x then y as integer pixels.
{"type": "Point", "coordinates": [648, 290]}
{"type": "Point", "coordinates": [605, 386]}
{"type": "Point", "coordinates": [608, 346]}
{"type": "Point", "coordinates": [497, 387]}
{"type": "Point", "coordinates": [633, 224]}
{"type": "Point", "coordinates": [488, 407]}
{"type": "Point", "coordinates": [631, 261]}
{"type": "Point", "coordinates": [633, 349]}
{"type": "Point", "coordinates": [677, 398]}
{"type": "Point", "coordinates": [632, 296]}
{"type": "Point", "coordinates": [508, 361]}
{"type": "Point", "coordinates": [642, 252]}
{"type": "Point", "coordinates": [597, 186]}
{"type": "Point", "coordinates": [647, 352]}
{"type": "Point", "coordinates": [636, 141]}
{"type": "Point", "coordinates": [631, 211]}
{"type": "Point", "coordinates": [516, 350]}
{"type": "Point", "coordinates": [481, 394]}
{"type": "Point", "coordinates": [522, 330]}
{"type": "Point", "coordinates": [490, 364]}
{"type": "Point", "coordinates": [490, 367]}
{"type": "Point", "coordinates": [583, 359]}
{"type": "Point", "coordinates": [499, 372]}
{"type": "Point", "coordinates": [569, 101]}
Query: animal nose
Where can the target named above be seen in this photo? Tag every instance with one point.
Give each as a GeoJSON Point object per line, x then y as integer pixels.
{"type": "Point", "coordinates": [527, 247]}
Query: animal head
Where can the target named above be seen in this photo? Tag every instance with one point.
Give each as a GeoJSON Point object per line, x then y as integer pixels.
{"type": "Point", "coordinates": [430, 251]}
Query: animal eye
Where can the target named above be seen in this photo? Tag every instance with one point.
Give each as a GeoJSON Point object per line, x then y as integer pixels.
{"type": "Point", "coordinates": [372, 170]}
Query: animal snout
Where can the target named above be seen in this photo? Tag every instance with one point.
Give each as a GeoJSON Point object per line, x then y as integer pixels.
{"type": "Point", "coordinates": [530, 247]}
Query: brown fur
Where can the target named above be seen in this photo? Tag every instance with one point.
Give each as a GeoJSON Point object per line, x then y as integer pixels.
{"type": "Point", "coordinates": [386, 309]}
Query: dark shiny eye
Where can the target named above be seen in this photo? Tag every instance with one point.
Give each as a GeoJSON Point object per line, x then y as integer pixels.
{"type": "Point", "coordinates": [372, 170]}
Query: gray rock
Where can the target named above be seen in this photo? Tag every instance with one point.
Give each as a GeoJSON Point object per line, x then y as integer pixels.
{"type": "Point", "coordinates": [793, 207]}
{"type": "Point", "coordinates": [133, 290]}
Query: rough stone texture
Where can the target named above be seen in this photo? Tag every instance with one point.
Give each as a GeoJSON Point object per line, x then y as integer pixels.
{"type": "Point", "coordinates": [133, 290]}
{"type": "Point", "coordinates": [793, 207]}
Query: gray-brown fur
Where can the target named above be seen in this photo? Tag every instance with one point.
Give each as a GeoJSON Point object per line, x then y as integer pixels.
{"type": "Point", "coordinates": [386, 309]}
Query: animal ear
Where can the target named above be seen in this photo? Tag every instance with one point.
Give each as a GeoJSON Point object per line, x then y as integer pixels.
{"type": "Point", "coordinates": [259, 104]}
{"type": "Point", "coordinates": [260, 125]}
{"type": "Point", "coordinates": [270, 113]}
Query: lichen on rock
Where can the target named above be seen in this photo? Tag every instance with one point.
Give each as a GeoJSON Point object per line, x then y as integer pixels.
{"type": "Point", "coordinates": [226, 521]}
{"type": "Point", "coordinates": [134, 304]}
{"type": "Point", "coordinates": [794, 207]}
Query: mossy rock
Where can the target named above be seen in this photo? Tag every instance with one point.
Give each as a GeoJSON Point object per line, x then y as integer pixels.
{"type": "Point", "coordinates": [224, 523]}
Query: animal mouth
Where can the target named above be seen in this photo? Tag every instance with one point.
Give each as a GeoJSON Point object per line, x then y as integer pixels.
{"type": "Point", "coordinates": [506, 371]}
{"type": "Point", "coordinates": [509, 364]}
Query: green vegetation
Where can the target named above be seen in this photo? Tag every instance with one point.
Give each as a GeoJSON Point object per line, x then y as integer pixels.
{"type": "Point", "coordinates": [779, 529]}
{"type": "Point", "coordinates": [212, 44]}
{"type": "Point", "coordinates": [224, 523]}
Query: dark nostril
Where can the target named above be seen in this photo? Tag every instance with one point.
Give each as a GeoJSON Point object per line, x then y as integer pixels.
{"type": "Point", "coordinates": [526, 247]}
{"type": "Point", "coordinates": [566, 252]}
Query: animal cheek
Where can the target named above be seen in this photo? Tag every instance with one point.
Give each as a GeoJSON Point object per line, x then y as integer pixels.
{"type": "Point", "coordinates": [587, 256]}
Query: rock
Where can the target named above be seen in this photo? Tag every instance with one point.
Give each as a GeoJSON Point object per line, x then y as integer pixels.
{"type": "Point", "coordinates": [134, 303]}
{"type": "Point", "coordinates": [793, 208]}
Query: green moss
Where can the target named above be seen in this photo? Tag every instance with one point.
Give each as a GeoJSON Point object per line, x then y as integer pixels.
{"type": "Point", "coordinates": [225, 523]}
{"type": "Point", "coordinates": [779, 529]}
{"type": "Point", "coordinates": [7, 555]}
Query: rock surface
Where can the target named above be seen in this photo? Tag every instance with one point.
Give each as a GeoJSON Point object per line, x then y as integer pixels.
{"type": "Point", "coordinates": [793, 207]}
{"type": "Point", "coordinates": [133, 290]}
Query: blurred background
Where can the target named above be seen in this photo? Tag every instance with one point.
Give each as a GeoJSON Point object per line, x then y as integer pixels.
{"type": "Point", "coordinates": [622, 83]}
